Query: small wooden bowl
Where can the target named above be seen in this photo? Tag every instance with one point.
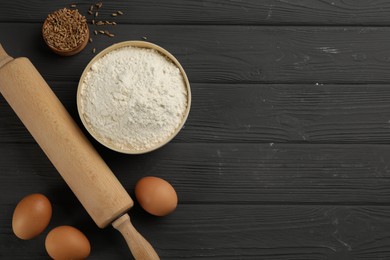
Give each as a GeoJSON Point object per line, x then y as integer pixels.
{"type": "Point", "coordinates": [140, 44]}
{"type": "Point", "coordinates": [71, 52]}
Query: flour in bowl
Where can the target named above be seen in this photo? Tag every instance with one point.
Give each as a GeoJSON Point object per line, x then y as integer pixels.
{"type": "Point", "coordinates": [133, 98]}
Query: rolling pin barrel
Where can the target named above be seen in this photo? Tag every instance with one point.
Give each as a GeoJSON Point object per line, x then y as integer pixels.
{"type": "Point", "coordinates": [63, 142]}
{"type": "Point", "coordinates": [82, 168]}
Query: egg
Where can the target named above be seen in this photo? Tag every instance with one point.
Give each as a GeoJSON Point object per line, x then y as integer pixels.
{"type": "Point", "coordinates": [66, 242]}
{"type": "Point", "coordinates": [156, 196]}
{"type": "Point", "coordinates": [31, 216]}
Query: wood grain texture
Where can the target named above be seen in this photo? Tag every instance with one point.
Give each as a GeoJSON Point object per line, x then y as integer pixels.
{"type": "Point", "coordinates": [233, 232]}
{"type": "Point", "coordinates": [229, 173]}
{"type": "Point", "coordinates": [285, 154]}
{"type": "Point", "coordinates": [268, 12]}
{"type": "Point", "coordinates": [235, 54]}
{"type": "Point", "coordinates": [261, 113]}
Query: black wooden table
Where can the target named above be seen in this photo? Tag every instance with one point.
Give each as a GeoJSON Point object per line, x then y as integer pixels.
{"type": "Point", "coordinates": [286, 152]}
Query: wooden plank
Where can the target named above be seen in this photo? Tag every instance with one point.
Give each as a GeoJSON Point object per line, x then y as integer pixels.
{"type": "Point", "coordinates": [234, 54]}
{"type": "Point", "coordinates": [266, 113]}
{"type": "Point", "coordinates": [226, 173]}
{"type": "Point", "coordinates": [269, 12]}
{"type": "Point", "coordinates": [229, 232]}
{"type": "Point", "coordinates": [314, 113]}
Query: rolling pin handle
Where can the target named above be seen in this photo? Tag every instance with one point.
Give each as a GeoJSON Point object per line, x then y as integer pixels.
{"type": "Point", "coordinates": [4, 57]}
{"type": "Point", "coordinates": [139, 247]}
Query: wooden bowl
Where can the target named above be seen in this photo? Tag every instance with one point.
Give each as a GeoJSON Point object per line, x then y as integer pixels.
{"type": "Point", "coordinates": [140, 44]}
{"type": "Point", "coordinates": [71, 52]}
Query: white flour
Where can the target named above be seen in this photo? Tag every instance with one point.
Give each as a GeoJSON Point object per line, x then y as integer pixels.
{"type": "Point", "coordinates": [133, 98]}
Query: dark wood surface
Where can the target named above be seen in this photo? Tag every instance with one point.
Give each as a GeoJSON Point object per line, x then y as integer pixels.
{"type": "Point", "coordinates": [286, 152]}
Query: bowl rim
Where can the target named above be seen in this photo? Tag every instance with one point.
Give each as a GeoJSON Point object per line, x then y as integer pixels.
{"type": "Point", "coordinates": [139, 44]}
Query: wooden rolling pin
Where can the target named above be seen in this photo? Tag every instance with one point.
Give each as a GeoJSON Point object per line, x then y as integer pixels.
{"type": "Point", "coordinates": [82, 168]}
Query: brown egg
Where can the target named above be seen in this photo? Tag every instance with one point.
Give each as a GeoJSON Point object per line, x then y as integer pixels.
{"type": "Point", "coordinates": [31, 216]}
{"type": "Point", "coordinates": [156, 196]}
{"type": "Point", "coordinates": [66, 242]}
